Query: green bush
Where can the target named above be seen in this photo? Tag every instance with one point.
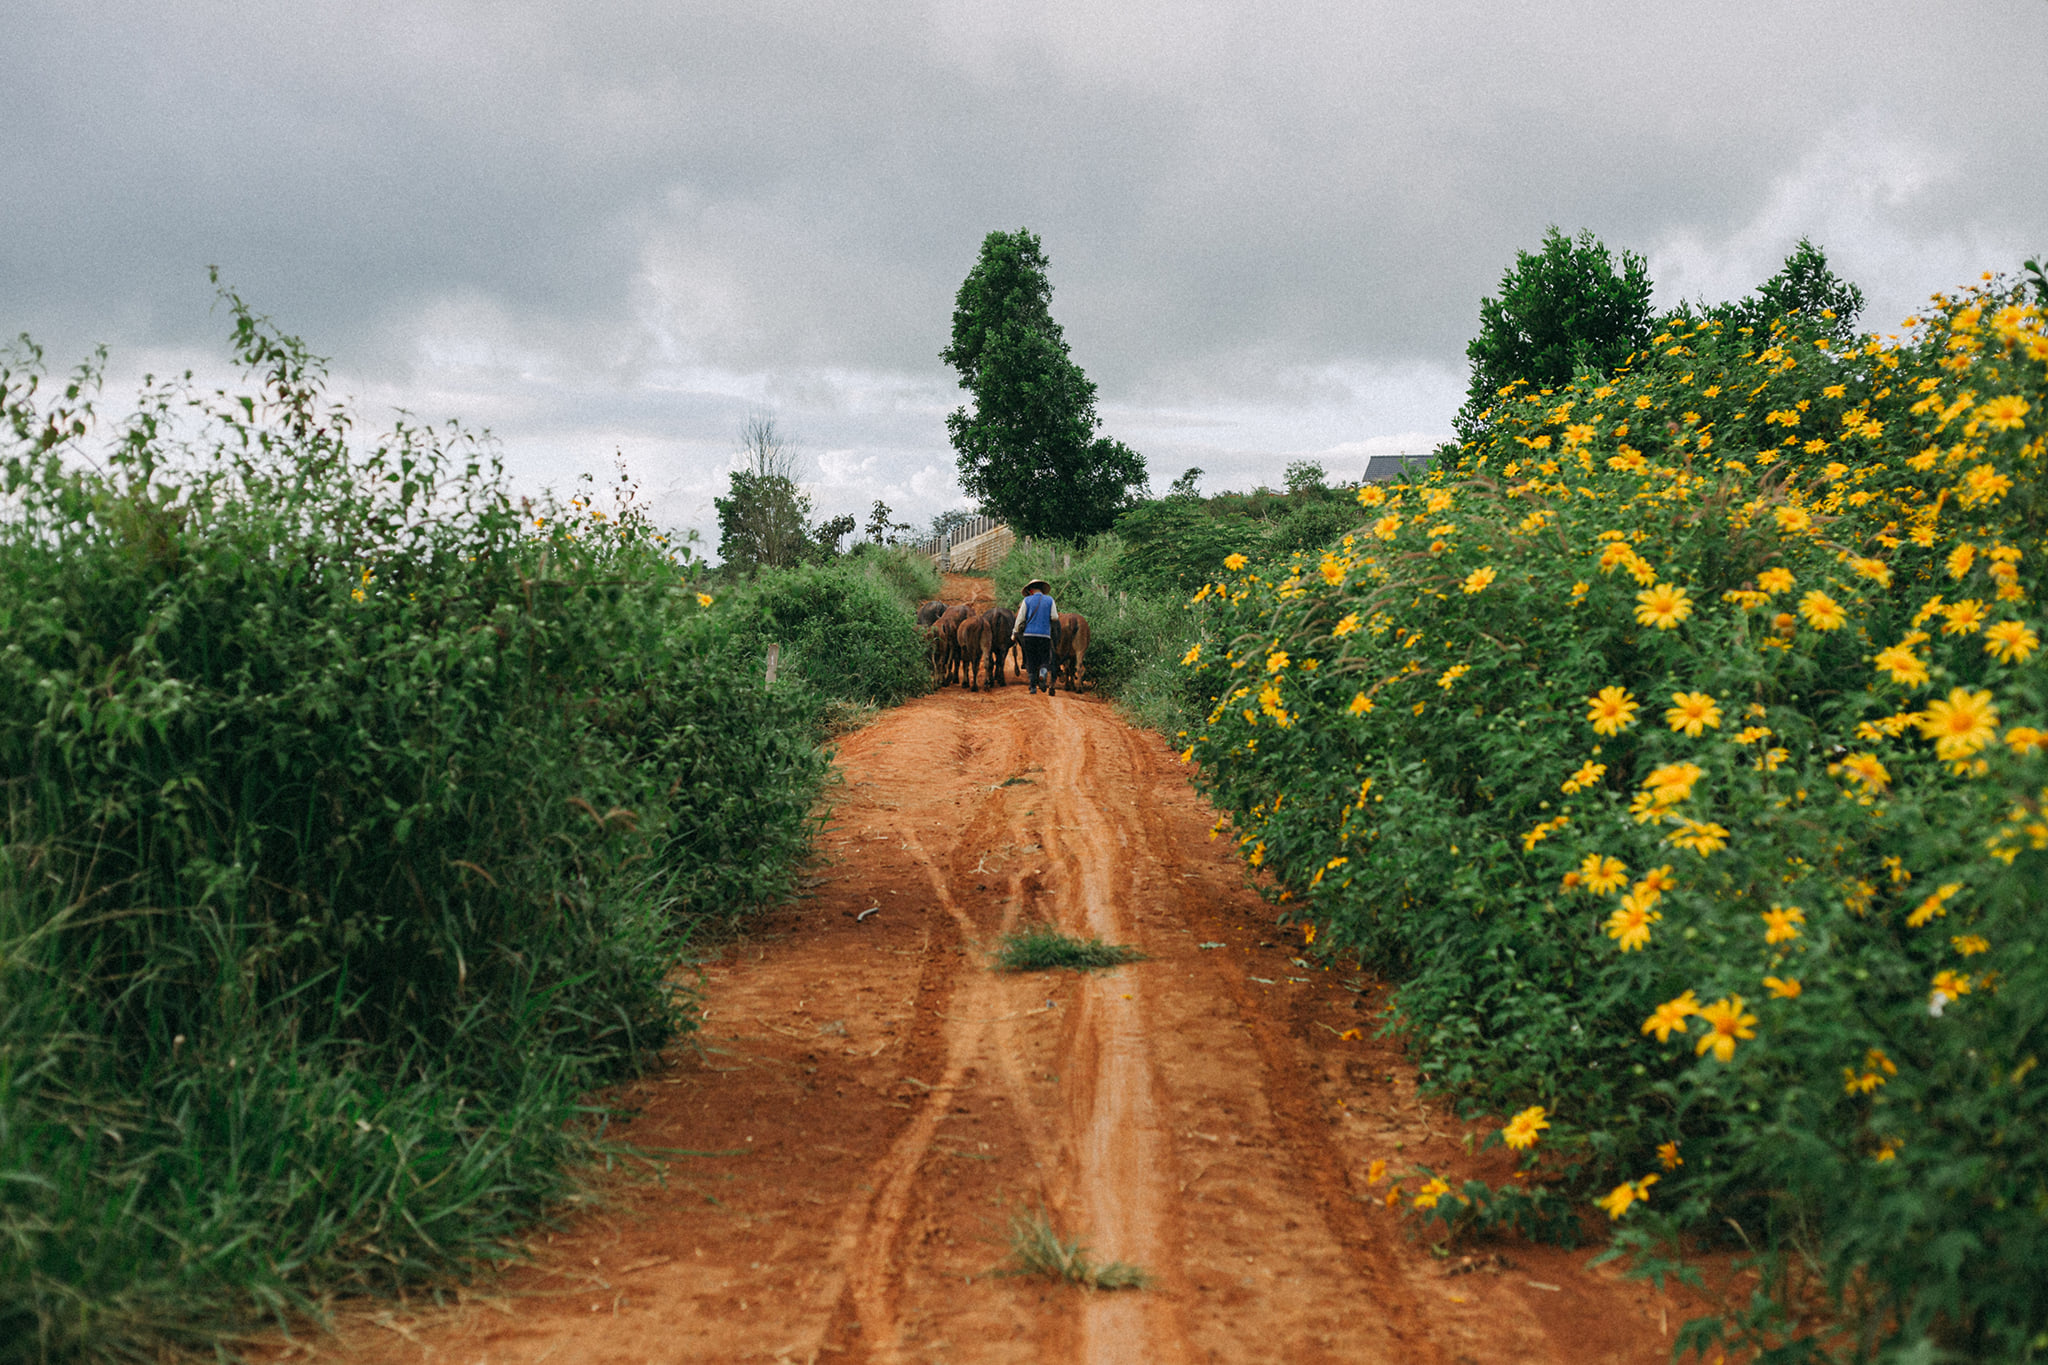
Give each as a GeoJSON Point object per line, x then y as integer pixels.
{"type": "Point", "coordinates": [847, 630]}
{"type": "Point", "coordinates": [354, 819]}
{"type": "Point", "coordinates": [1683, 753]}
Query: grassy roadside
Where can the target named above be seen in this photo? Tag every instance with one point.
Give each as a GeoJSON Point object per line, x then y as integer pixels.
{"type": "Point", "coordinates": [353, 815]}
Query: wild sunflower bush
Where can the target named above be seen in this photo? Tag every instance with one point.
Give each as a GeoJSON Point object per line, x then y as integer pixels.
{"type": "Point", "coordinates": [352, 818]}
{"type": "Point", "coordinates": [1683, 748]}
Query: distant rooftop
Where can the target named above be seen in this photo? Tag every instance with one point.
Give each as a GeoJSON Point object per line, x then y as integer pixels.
{"type": "Point", "coordinates": [1380, 468]}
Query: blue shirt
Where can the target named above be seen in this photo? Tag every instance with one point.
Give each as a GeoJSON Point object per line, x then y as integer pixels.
{"type": "Point", "coordinates": [1034, 615]}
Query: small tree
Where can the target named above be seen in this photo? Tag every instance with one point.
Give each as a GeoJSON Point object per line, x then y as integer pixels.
{"type": "Point", "coordinates": [1561, 310]}
{"type": "Point", "coordinates": [881, 528]}
{"type": "Point", "coordinates": [762, 521]}
{"type": "Point", "coordinates": [1304, 476]}
{"type": "Point", "coordinates": [1806, 293]}
{"type": "Point", "coordinates": [1188, 485]}
{"type": "Point", "coordinates": [1028, 451]}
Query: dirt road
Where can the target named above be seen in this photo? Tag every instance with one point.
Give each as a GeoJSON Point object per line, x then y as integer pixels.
{"type": "Point", "coordinates": [875, 1104]}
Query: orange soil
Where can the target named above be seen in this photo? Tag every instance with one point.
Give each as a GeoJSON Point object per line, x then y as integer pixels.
{"type": "Point", "coordinates": [872, 1104]}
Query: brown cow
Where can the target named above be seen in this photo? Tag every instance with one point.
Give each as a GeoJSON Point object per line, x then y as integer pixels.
{"type": "Point", "coordinates": [1069, 650]}
{"type": "Point", "coordinates": [928, 614]}
{"type": "Point", "coordinates": [1002, 623]}
{"type": "Point", "coordinates": [972, 638]}
{"type": "Point", "coordinates": [946, 657]}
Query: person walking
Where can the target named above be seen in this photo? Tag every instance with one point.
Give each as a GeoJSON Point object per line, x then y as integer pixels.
{"type": "Point", "coordinates": [1037, 620]}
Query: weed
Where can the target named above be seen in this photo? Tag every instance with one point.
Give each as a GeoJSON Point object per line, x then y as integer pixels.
{"type": "Point", "coordinates": [1038, 1249]}
{"type": "Point", "coordinates": [1042, 948]}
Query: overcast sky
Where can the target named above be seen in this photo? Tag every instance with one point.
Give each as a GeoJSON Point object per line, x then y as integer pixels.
{"type": "Point", "coordinates": [628, 226]}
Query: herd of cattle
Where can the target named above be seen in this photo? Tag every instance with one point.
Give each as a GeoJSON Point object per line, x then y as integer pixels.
{"type": "Point", "coordinates": [973, 642]}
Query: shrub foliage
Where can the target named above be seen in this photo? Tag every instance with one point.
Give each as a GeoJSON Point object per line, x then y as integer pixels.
{"type": "Point", "coordinates": [1685, 749]}
{"type": "Point", "coordinates": [354, 817]}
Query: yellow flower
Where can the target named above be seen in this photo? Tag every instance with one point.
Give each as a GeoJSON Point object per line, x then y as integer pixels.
{"type": "Point", "coordinates": [1452, 674]}
{"type": "Point", "coordinates": [1969, 945]}
{"type": "Point", "coordinates": [1543, 831]}
{"type": "Point", "coordinates": [1276, 661]}
{"type": "Point", "coordinates": [1965, 617]}
{"type": "Point", "coordinates": [1960, 559]}
{"type": "Point", "coordinates": [1902, 664]}
{"type": "Point", "coordinates": [1934, 907]}
{"type": "Point", "coordinates": [2004, 413]}
{"type": "Point", "coordinates": [704, 599]}
{"type": "Point", "coordinates": [1360, 704]}
{"type": "Point", "coordinates": [1782, 923]}
{"type": "Point", "coordinates": [1433, 1191]}
{"type": "Point", "coordinates": [1782, 988]}
{"type": "Point", "coordinates": [2010, 642]}
{"type": "Point", "coordinates": [1375, 1173]}
{"type": "Point", "coordinates": [1866, 769]}
{"type": "Point", "coordinates": [2025, 739]}
{"type": "Point", "coordinates": [1876, 570]}
{"type": "Point", "coordinates": [1386, 527]}
{"type": "Point", "coordinates": [1345, 626]}
{"type": "Point", "coordinates": [1954, 985]}
{"type": "Point", "coordinates": [1602, 875]}
{"type": "Point", "coordinates": [1750, 734]}
{"type": "Point", "coordinates": [1612, 711]}
{"type": "Point", "coordinates": [1586, 776]}
{"type": "Point", "coordinates": [1235, 562]}
{"type": "Point", "coordinates": [1629, 461]}
{"type": "Point", "coordinates": [1670, 1016]}
{"type": "Point", "coordinates": [1372, 495]}
{"type": "Point", "coordinates": [1693, 712]}
{"type": "Point", "coordinates": [1822, 612]}
{"type": "Point", "coordinates": [1726, 1023]}
{"type": "Point", "coordinates": [1663, 606]}
{"type": "Point", "coordinates": [1439, 500]}
{"type": "Point", "coordinates": [1982, 484]}
{"type": "Point", "coordinates": [1579, 590]}
{"type": "Point", "coordinates": [1656, 882]}
{"type": "Point", "coordinates": [1630, 925]}
{"type": "Point", "coordinates": [1668, 1157]}
{"type": "Point", "coordinates": [1960, 725]}
{"type": "Point", "coordinates": [1701, 836]}
{"type": "Point", "coordinates": [1193, 656]}
{"type": "Point", "coordinates": [1673, 782]}
{"type": "Point", "coordinates": [1522, 1130]}
{"type": "Point", "coordinates": [1478, 579]}
{"type": "Point", "coordinates": [1793, 519]}
{"type": "Point", "coordinates": [1774, 580]}
{"type": "Point", "coordinates": [1618, 1200]}
{"type": "Point", "coordinates": [1876, 1066]}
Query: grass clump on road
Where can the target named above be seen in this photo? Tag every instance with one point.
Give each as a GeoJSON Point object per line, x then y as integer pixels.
{"type": "Point", "coordinates": [1038, 1249]}
{"type": "Point", "coordinates": [1042, 948]}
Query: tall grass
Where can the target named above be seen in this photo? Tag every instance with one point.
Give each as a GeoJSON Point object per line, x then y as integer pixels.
{"type": "Point", "coordinates": [354, 816]}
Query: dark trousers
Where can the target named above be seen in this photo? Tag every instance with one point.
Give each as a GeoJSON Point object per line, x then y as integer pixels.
{"type": "Point", "coordinates": [1037, 658]}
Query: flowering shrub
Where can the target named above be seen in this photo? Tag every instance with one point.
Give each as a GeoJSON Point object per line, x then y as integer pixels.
{"type": "Point", "coordinates": [1684, 748]}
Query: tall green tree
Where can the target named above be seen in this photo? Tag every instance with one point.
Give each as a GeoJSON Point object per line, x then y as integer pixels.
{"type": "Point", "coordinates": [1563, 309]}
{"type": "Point", "coordinates": [1028, 450]}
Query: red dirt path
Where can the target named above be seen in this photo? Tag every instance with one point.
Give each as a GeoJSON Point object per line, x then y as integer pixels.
{"type": "Point", "coordinates": [873, 1103]}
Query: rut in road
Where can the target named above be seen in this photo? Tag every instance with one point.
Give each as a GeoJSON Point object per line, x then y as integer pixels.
{"type": "Point", "coordinates": [872, 1104]}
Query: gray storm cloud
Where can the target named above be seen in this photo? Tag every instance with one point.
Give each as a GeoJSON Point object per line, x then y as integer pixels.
{"type": "Point", "coordinates": [625, 227]}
